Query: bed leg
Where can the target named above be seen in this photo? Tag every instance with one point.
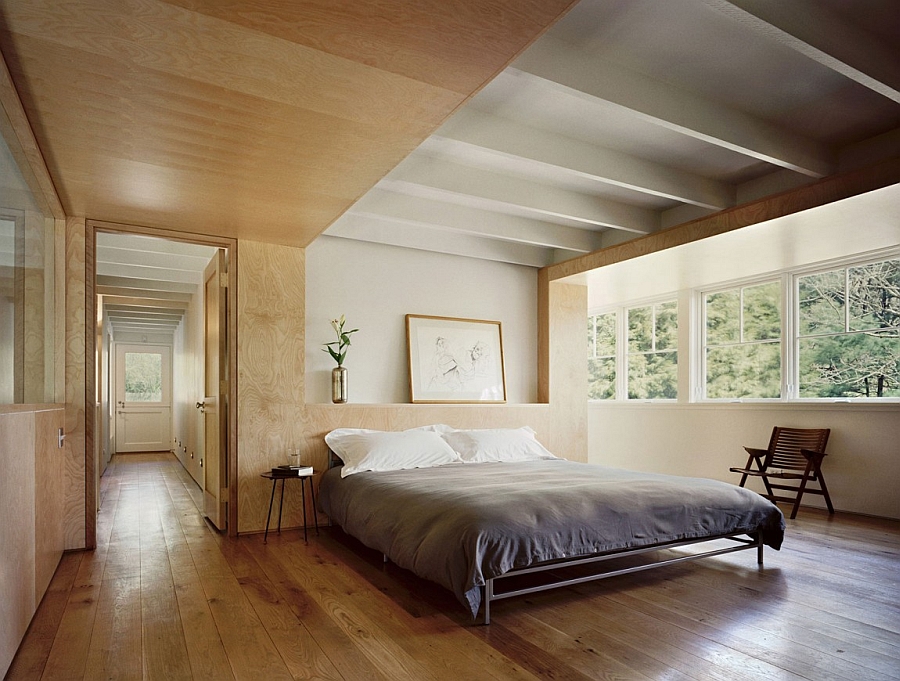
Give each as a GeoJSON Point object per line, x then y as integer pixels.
{"type": "Point", "coordinates": [487, 595]}
{"type": "Point", "coordinates": [759, 549]}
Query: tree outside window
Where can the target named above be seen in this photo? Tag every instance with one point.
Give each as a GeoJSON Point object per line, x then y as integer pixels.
{"type": "Point", "coordinates": [652, 357]}
{"type": "Point", "coordinates": [849, 332]}
{"type": "Point", "coordinates": [602, 356]}
{"type": "Point", "coordinates": [143, 377]}
{"type": "Point", "coordinates": [743, 342]}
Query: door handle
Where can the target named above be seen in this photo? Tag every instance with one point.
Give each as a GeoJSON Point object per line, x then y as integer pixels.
{"type": "Point", "coordinates": [200, 405]}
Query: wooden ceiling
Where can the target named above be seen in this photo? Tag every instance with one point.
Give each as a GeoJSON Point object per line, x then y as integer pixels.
{"type": "Point", "coordinates": [459, 126]}
{"type": "Point", "coordinates": [259, 119]}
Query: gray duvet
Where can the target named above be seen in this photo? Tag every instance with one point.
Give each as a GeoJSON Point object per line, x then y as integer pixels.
{"type": "Point", "coordinates": [460, 524]}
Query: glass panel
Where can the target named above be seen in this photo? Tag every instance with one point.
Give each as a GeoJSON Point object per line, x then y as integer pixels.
{"type": "Point", "coordinates": [606, 334]}
{"type": "Point", "coordinates": [851, 365]}
{"type": "Point", "coordinates": [667, 326]}
{"type": "Point", "coordinates": [723, 317]}
{"type": "Point", "coordinates": [762, 312]}
{"type": "Point", "coordinates": [874, 296]}
{"type": "Point", "coordinates": [653, 376]}
{"type": "Point", "coordinates": [602, 378]}
{"type": "Point", "coordinates": [640, 329]}
{"type": "Point", "coordinates": [738, 371]}
{"type": "Point", "coordinates": [143, 377]}
{"type": "Point", "coordinates": [821, 300]}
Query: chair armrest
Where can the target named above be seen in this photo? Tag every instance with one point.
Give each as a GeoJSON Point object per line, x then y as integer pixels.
{"type": "Point", "coordinates": [812, 455]}
{"type": "Point", "coordinates": [756, 453]}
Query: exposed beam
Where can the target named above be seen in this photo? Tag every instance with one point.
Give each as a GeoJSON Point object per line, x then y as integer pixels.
{"type": "Point", "coordinates": [131, 256]}
{"type": "Point", "coordinates": [670, 107]}
{"type": "Point", "coordinates": [142, 293]}
{"type": "Point", "coordinates": [504, 193]}
{"type": "Point", "coordinates": [421, 212]}
{"type": "Point", "coordinates": [827, 190]}
{"type": "Point", "coordinates": [152, 244]}
{"type": "Point", "coordinates": [148, 272]}
{"type": "Point", "coordinates": [566, 156]}
{"type": "Point", "coordinates": [406, 236]}
{"type": "Point", "coordinates": [145, 302]}
{"type": "Point", "coordinates": [147, 284]}
{"type": "Point", "coordinates": [815, 32]}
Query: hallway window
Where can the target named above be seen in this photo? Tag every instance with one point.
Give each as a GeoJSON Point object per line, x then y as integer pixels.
{"type": "Point", "coordinates": [143, 377]}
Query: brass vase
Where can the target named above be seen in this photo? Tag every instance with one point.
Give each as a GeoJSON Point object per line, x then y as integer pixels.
{"type": "Point", "coordinates": [339, 394]}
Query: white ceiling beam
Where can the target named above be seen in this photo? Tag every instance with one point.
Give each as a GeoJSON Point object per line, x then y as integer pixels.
{"type": "Point", "coordinates": [150, 284]}
{"type": "Point", "coordinates": [670, 107]}
{"type": "Point", "coordinates": [128, 256]}
{"type": "Point", "coordinates": [469, 127]}
{"type": "Point", "coordinates": [472, 186]}
{"type": "Point", "coordinates": [422, 212]}
{"type": "Point", "coordinates": [150, 244]}
{"type": "Point", "coordinates": [148, 272]}
{"type": "Point", "coordinates": [815, 32]}
{"type": "Point", "coordinates": [145, 302]}
{"type": "Point", "coordinates": [350, 226]}
{"type": "Point", "coordinates": [132, 292]}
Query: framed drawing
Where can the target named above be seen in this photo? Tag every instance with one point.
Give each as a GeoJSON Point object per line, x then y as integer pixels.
{"type": "Point", "coordinates": [455, 360]}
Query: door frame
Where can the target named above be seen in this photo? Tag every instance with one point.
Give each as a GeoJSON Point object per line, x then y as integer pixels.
{"type": "Point", "coordinates": [91, 428]}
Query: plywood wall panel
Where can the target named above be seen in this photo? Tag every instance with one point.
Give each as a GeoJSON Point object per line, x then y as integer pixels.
{"type": "Point", "coordinates": [270, 360]}
{"type": "Point", "coordinates": [75, 359]}
{"type": "Point", "coordinates": [17, 598]}
{"type": "Point", "coordinates": [49, 495]}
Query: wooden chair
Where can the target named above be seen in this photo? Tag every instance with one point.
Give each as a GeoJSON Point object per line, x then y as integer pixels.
{"type": "Point", "coordinates": [793, 454]}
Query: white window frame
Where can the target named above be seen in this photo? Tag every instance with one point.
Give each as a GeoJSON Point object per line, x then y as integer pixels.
{"type": "Point", "coordinates": [790, 339]}
{"type": "Point", "coordinates": [621, 393]}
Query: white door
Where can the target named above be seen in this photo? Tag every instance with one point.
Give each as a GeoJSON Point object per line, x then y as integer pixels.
{"type": "Point", "coordinates": [143, 398]}
{"type": "Point", "coordinates": [213, 406]}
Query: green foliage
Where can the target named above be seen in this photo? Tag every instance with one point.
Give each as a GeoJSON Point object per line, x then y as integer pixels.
{"type": "Point", "coordinates": [143, 377]}
{"type": "Point", "coordinates": [653, 376]}
{"type": "Point", "coordinates": [850, 332]}
{"type": "Point", "coordinates": [343, 341]}
{"type": "Point", "coordinates": [743, 330]}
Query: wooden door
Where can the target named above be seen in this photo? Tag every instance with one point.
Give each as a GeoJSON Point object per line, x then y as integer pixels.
{"type": "Point", "coordinates": [213, 405]}
{"type": "Point", "coordinates": [143, 398]}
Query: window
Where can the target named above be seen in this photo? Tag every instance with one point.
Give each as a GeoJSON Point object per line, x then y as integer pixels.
{"type": "Point", "coordinates": [652, 351]}
{"type": "Point", "coordinates": [602, 356]}
{"type": "Point", "coordinates": [143, 377]}
{"type": "Point", "coordinates": [644, 365]}
{"type": "Point", "coordinates": [849, 332]}
{"type": "Point", "coordinates": [742, 342]}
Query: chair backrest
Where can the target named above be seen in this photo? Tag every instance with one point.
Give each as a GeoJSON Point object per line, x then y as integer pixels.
{"type": "Point", "coordinates": [786, 443]}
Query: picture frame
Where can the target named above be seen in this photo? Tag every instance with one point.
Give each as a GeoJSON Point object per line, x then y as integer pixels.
{"type": "Point", "coordinates": [454, 360]}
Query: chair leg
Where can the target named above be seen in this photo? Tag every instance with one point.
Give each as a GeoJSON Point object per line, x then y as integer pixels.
{"type": "Point", "coordinates": [824, 490]}
{"type": "Point", "coordinates": [800, 490]}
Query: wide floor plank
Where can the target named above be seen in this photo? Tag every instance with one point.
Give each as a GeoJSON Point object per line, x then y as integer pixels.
{"type": "Point", "coordinates": [166, 596]}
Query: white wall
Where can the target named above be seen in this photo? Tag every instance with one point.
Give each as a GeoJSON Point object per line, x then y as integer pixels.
{"type": "Point", "coordinates": [862, 466]}
{"type": "Point", "coordinates": [375, 286]}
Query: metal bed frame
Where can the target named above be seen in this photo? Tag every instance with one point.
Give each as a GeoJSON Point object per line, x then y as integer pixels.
{"type": "Point", "coordinates": [490, 593]}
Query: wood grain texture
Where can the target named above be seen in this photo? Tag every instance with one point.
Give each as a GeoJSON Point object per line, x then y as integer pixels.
{"type": "Point", "coordinates": [828, 190]}
{"type": "Point", "coordinates": [165, 95]}
{"type": "Point", "coordinates": [567, 380]}
{"type": "Point", "coordinates": [333, 610]}
{"type": "Point", "coordinates": [270, 358]}
{"type": "Point", "coordinates": [49, 496]}
{"type": "Point", "coordinates": [76, 365]}
{"type": "Point", "coordinates": [17, 564]}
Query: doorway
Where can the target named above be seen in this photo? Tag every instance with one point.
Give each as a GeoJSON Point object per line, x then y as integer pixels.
{"type": "Point", "coordinates": [148, 352]}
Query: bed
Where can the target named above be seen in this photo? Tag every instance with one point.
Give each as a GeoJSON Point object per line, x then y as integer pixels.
{"type": "Point", "coordinates": [466, 524]}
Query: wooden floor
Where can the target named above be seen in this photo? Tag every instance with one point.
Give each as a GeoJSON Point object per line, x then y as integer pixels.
{"type": "Point", "coordinates": [165, 597]}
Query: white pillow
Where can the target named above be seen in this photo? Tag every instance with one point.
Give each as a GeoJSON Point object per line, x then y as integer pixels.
{"type": "Point", "coordinates": [499, 444]}
{"type": "Point", "coordinates": [376, 450]}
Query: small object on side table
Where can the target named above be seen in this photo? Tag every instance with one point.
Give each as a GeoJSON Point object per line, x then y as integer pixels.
{"type": "Point", "coordinates": [283, 473]}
